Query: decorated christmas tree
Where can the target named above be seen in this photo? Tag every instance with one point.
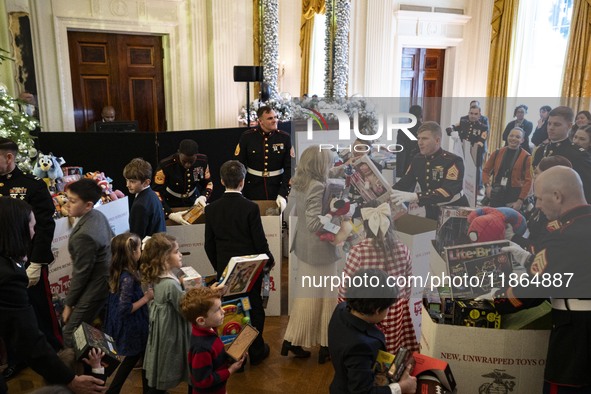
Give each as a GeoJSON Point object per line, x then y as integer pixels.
{"type": "Point", "coordinates": [16, 125]}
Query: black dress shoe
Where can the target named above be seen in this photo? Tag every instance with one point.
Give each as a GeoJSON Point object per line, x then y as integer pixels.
{"type": "Point", "coordinates": [323, 355]}
{"type": "Point", "coordinates": [258, 360]}
{"type": "Point", "coordinates": [296, 350]}
{"type": "Point", "coordinates": [12, 370]}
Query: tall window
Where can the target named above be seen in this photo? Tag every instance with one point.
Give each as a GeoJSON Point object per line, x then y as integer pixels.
{"type": "Point", "coordinates": [540, 43]}
{"type": "Point", "coordinates": [317, 57]}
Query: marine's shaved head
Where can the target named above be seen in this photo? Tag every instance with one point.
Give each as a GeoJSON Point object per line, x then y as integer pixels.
{"type": "Point", "coordinates": [558, 189]}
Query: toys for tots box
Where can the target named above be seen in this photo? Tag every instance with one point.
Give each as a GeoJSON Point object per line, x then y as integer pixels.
{"type": "Point", "coordinates": [485, 360]}
{"type": "Point", "coordinates": [191, 244]}
{"type": "Point", "coordinates": [416, 233]}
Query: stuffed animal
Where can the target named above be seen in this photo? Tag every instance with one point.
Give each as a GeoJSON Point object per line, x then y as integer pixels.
{"type": "Point", "coordinates": [59, 200]}
{"type": "Point", "coordinates": [495, 224]}
{"type": "Point", "coordinates": [336, 223]}
{"type": "Point", "coordinates": [48, 166]}
{"type": "Point", "coordinates": [105, 183]}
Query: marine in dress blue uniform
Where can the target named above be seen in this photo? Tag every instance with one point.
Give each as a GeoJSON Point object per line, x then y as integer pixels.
{"type": "Point", "coordinates": [178, 186]}
{"type": "Point", "coordinates": [266, 153]}
{"type": "Point", "coordinates": [440, 177]}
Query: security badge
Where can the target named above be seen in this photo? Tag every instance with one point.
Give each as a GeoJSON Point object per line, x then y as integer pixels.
{"type": "Point", "coordinates": [18, 192]}
{"type": "Point", "coordinates": [278, 147]}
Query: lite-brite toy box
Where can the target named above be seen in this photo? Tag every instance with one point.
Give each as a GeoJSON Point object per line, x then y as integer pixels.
{"type": "Point", "coordinates": [474, 313]}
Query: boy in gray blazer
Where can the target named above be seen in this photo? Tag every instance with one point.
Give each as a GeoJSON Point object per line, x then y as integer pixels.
{"type": "Point", "coordinates": [90, 249]}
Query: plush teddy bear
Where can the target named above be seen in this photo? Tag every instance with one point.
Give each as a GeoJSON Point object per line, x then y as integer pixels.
{"type": "Point", "coordinates": [49, 166]}
{"type": "Point", "coordinates": [495, 224]}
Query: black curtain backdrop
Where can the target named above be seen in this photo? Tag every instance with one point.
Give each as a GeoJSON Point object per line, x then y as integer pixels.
{"type": "Point", "coordinates": [110, 152]}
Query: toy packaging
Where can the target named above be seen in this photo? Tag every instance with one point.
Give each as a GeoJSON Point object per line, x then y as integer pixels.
{"type": "Point", "coordinates": [191, 278]}
{"type": "Point", "coordinates": [87, 337]}
{"type": "Point", "coordinates": [241, 273]}
{"type": "Point", "coordinates": [237, 315]}
{"type": "Point", "coordinates": [474, 313]}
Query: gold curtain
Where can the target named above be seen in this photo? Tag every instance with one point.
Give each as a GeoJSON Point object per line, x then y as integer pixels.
{"type": "Point", "coordinates": [257, 41]}
{"type": "Point", "coordinates": [503, 26]}
{"type": "Point", "coordinates": [576, 86]}
{"type": "Point", "coordinates": [309, 9]}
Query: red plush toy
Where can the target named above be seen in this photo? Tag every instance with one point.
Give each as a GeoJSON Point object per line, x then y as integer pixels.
{"type": "Point", "coordinates": [337, 227]}
{"type": "Point", "coordinates": [486, 227]}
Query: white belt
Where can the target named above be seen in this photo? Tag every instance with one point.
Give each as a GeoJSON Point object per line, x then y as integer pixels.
{"type": "Point", "coordinates": [179, 195]}
{"type": "Point", "coordinates": [574, 304]}
{"type": "Point", "coordinates": [264, 174]}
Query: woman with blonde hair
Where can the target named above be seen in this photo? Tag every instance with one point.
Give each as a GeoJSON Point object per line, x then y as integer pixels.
{"type": "Point", "coordinates": [312, 307]}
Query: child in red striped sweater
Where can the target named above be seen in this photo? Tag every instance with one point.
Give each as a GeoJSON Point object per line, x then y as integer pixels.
{"type": "Point", "coordinates": [208, 365]}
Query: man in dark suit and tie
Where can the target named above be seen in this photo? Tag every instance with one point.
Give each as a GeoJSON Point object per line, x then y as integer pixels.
{"type": "Point", "coordinates": [233, 227]}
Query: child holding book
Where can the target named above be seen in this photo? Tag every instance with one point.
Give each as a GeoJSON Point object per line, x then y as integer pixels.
{"type": "Point", "coordinates": [127, 308]}
{"type": "Point", "coordinates": [354, 339]}
{"type": "Point", "coordinates": [165, 359]}
{"type": "Point", "coordinates": [382, 250]}
{"type": "Point", "coordinates": [90, 248]}
{"type": "Point", "coordinates": [202, 307]}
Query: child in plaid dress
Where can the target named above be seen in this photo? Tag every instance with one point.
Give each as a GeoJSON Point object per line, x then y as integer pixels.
{"type": "Point", "coordinates": [381, 250]}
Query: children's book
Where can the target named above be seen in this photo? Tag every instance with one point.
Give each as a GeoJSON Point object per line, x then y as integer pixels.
{"type": "Point", "coordinates": [242, 272]}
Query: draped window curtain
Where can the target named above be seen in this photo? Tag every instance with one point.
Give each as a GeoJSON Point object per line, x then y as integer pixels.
{"type": "Point", "coordinates": [309, 9]}
{"type": "Point", "coordinates": [576, 86]}
{"type": "Point", "coordinates": [503, 29]}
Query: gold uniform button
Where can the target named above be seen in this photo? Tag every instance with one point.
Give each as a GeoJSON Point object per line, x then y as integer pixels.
{"type": "Point", "coordinates": [1, 184]}
{"type": "Point", "coordinates": [266, 157]}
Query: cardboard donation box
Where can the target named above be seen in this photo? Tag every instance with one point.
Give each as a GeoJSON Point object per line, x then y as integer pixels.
{"type": "Point", "coordinates": [416, 233]}
{"type": "Point", "coordinates": [87, 337]}
{"type": "Point", "coordinates": [116, 212]}
{"type": "Point", "coordinates": [191, 244]}
{"type": "Point", "coordinates": [485, 360]}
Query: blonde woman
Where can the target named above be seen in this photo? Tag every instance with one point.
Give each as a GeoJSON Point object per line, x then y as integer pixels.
{"type": "Point", "coordinates": [313, 306]}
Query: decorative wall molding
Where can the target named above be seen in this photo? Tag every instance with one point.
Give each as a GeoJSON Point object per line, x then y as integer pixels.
{"type": "Point", "coordinates": [431, 24]}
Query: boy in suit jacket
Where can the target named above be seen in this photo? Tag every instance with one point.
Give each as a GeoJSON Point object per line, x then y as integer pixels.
{"type": "Point", "coordinates": [354, 339]}
{"type": "Point", "coordinates": [90, 249]}
{"type": "Point", "coordinates": [146, 216]}
{"type": "Point", "coordinates": [233, 227]}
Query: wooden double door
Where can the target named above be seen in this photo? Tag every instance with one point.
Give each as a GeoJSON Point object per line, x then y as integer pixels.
{"type": "Point", "coordinates": [120, 70]}
{"type": "Point", "coordinates": [422, 79]}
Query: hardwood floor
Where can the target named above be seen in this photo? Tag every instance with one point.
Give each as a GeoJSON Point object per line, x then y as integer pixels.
{"type": "Point", "coordinates": [276, 374]}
